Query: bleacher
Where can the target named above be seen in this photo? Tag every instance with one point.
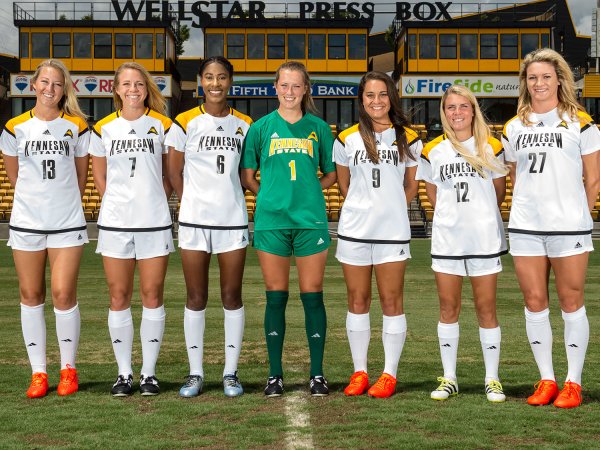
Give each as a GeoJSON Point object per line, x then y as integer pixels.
{"type": "Point", "coordinates": [92, 200]}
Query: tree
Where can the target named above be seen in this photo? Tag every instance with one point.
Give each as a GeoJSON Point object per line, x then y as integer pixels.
{"type": "Point", "coordinates": [390, 36]}
{"type": "Point", "coordinates": [182, 35]}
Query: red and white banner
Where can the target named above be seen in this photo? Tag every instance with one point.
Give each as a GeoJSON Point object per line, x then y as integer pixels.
{"type": "Point", "coordinates": [85, 85]}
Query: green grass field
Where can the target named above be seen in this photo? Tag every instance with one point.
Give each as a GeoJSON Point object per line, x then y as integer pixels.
{"type": "Point", "coordinates": [93, 419]}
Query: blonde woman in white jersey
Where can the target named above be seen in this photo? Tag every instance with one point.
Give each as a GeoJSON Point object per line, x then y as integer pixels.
{"type": "Point", "coordinates": [552, 151]}
{"type": "Point", "coordinates": [45, 152]}
{"type": "Point", "coordinates": [129, 166]}
{"type": "Point", "coordinates": [205, 147]}
{"type": "Point", "coordinates": [376, 162]}
{"type": "Point", "coordinates": [466, 181]}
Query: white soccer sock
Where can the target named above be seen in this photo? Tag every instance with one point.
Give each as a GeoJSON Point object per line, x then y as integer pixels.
{"type": "Point", "coordinates": [490, 339]}
{"type": "Point", "coordinates": [539, 334]}
{"type": "Point", "coordinates": [120, 326]}
{"type": "Point", "coordinates": [68, 326]}
{"type": "Point", "coordinates": [193, 329]}
{"type": "Point", "coordinates": [33, 324]}
{"type": "Point", "coordinates": [151, 334]}
{"type": "Point", "coordinates": [393, 336]}
{"type": "Point", "coordinates": [358, 328]}
{"type": "Point", "coordinates": [448, 334]}
{"type": "Point", "coordinates": [577, 335]}
{"type": "Point", "coordinates": [234, 333]}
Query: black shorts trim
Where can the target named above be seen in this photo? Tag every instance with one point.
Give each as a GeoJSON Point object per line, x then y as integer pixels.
{"type": "Point", "coordinates": [135, 230]}
{"type": "Point", "coordinates": [495, 255]}
{"type": "Point", "coordinates": [28, 230]}
{"type": "Point", "coordinates": [550, 233]}
{"type": "Point", "coordinates": [372, 241]}
{"type": "Point", "coordinates": [213, 227]}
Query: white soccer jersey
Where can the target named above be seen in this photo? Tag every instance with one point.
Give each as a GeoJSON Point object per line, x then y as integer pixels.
{"type": "Point", "coordinates": [466, 222]}
{"type": "Point", "coordinates": [549, 195]}
{"type": "Point", "coordinates": [135, 198]}
{"type": "Point", "coordinates": [212, 193]}
{"type": "Point", "coordinates": [375, 208]}
{"type": "Point", "coordinates": [47, 197]}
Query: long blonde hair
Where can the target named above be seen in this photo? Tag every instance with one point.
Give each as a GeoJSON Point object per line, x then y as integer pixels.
{"type": "Point", "coordinates": [483, 157]}
{"type": "Point", "coordinates": [567, 98]}
{"type": "Point", "coordinates": [308, 104]}
{"type": "Point", "coordinates": [154, 100]}
{"type": "Point", "coordinates": [68, 103]}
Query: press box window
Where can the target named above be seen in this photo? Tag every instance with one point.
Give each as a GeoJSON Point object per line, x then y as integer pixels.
{"type": "Point", "coordinates": [160, 45]}
{"type": "Point", "coordinates": [545, 40]}
{"type": "Point", "coordinates": [24, 45]}
{"type": "Point", "coordinates": [103, 45]}
{"type": "Point", "coordinates": [40, 45]}
{"type": "Point", "coordinates": [412, 46]}
{"type": "Point", "coordinates": [357, 46]}
{"type": "Point", "coordinates": [447, 46]}
{"type": "Point", "coordinates": [337, 46]}
{"type": "Point", "coordinates": [256, 46]}
{"type": "Point", "coordinates": [235, 46]}
{"type": "Point", "coordinates": [61, 45]}
{"type": "Point", "coordinates": [529, 42]}
{"type": "Point", "coordinates": [427, 46]}
{"type": "Point", "coordinates": [276, 46]}
{"type": "Point", "coordinates": [124, 45]}
{"type": "Point", "coordinates": [296, 44]}
{"type": "Point", "coordinates": [214, 45]}
{"type": "Point", "coordinates": [82, 45]}
{"type": "Point", "coordinates": [316, 46]}
{"type": "Point", "coordinates": [509, 46]}
{"type": "Point", "coordinates": [488, 46]}
{"type": "Point", "coordinates": [468, 46]}
{"type": "Point", "coordinates": [143, 45]}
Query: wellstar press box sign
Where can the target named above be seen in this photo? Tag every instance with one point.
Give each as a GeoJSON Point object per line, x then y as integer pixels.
{"type": "Point", "coordinates": [481, 86]}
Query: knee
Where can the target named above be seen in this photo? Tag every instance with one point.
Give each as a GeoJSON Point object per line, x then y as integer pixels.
{"type": "Point", "coordinates": [449, 311]}
{"type": "Point", "coordinates": [359, 304]}
{"type": "Point", "coordinates": [120, 298]}
{"type": "Point", "coordinates": [231, 299]}
{"type": "Point", "coordinates": [32, 297]}
{"type": "Point", "coordinates": [63, 299]}
{"type": "Point", "coordinates": [196, 300]}
{"type": "Point", "coordinates": [391, 305]}
{"type": "Point", "coordinates": [536, 301]}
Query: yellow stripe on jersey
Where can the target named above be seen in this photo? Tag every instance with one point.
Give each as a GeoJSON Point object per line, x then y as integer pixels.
{"type": "Point", "coordinates": [411, 136]}
{"type": "Point", "coordinates": [430, 145]}
{"type": "Point", "coordinates": [506, 125]}
{"type": "Point", "coordinates": [186, 117]}
{"type": "Point", "coordinates": [239, 115]}
{"type": "Point", "coordinates": [496, 145]}
{"type": "Point", "coordinates": [22, 118]}
{"type": "Point", "coordinates": [164, 119]}
{"type": "Point", "coordinates": [347, 132]}
{"type": "Point", "coordinates": [98, 127]}
{"type": "Point", "coordinates": [585, 120]}
{"type": "Point", "coordinates": [81, 124]}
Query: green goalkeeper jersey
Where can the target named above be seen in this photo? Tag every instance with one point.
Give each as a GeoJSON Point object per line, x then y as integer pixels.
{"type": "Point", "coordinates": [289, 156]}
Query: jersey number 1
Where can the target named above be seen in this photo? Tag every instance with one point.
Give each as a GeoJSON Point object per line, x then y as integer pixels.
{"type": "Point", "coordinates": [292, 166]}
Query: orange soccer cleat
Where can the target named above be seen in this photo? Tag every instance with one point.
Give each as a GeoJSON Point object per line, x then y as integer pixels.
{"type": "Point", "coordinates": [384, 387]}
{"type": "Point", "coordinates": [569, 397]}
{"type": "Point", "coordinates": [359, 383]}
{"type": "Point", "coordinates": [68, 381]}
{"type": "Point", "coordinates": [39, 385]}
{"type": "Point", "coordinates": [545, 392]}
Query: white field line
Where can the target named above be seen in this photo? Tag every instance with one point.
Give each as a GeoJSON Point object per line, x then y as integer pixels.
{"type": "Point", "coordinates": [298, 435]}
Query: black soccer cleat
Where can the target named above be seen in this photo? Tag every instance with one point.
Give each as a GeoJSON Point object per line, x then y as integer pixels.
{"type": "Point", "coordinates": [123, 387]}
{"type": "Point", "coordinates": [274, 387]}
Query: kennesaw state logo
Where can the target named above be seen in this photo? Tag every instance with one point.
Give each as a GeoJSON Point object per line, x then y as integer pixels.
{"type": "Point", "coordinates": [239, 131]}
{"type": "Point", "coordinates": [313, 135]}
{"type": "Point", "coordinates": [68, 133]}
{"type": "Point", "coordinates": [152, 130]}
{"type": "Point", "coordinates": [563, 124]}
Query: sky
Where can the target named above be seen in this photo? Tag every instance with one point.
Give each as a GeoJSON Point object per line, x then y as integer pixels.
{"type": "Point", "coordinates": [581, 11]}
